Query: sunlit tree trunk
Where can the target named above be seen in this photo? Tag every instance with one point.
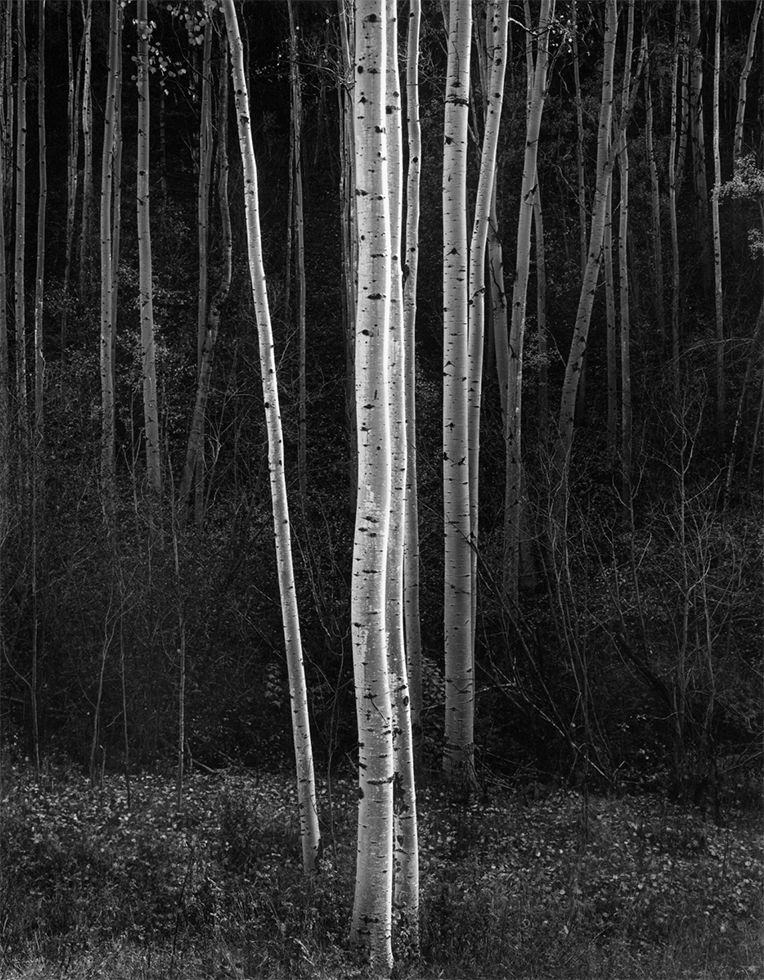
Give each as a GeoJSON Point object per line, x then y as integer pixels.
{"type": "Point", "coordinates": [674, 179]}
{"type": "Point", "coordinates": [405, 849]}
{"type": "Point", "coordinates": [579, 135]}
{"type": "Point", "coordinates": [20, 237]}
{"type": "Point", "coordinates": [371, 927]}
{"type": "Point", "coordinates": [543, 387]}
{"type": "Point", "coordinates": [717, 239]}
{"type": "Point", "coordinates": [39, 295]}
{"type": "Point", "coordinates": [73, 128]}
{"type": "Point", "coordinates": [458, 757]}
{"type": "Point", "coordinates": [146, 289]}
{"type": "Point", "coordinates": [306, 790]}
{"type": "Point", "coordinates": [612, 333]}
{"type": "Point", "coordinates": [513, 500]}
{"type": "Point", "coordinates": [410, 276]}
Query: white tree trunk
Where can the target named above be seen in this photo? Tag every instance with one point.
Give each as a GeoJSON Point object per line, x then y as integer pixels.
{"type": "Point", "coordinates": [306, 790]}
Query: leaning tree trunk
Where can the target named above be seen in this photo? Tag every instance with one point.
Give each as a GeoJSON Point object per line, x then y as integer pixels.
{"type": "Point", "coordinates": [306, 789]}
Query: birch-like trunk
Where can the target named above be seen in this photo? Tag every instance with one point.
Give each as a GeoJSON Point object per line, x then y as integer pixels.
{"type": "Point", "coordinates": [405, 844]}
{"type": "Point", "coordinates": [146, 289]}
{"type": "Point", "coordinates": [410, 276]}
{"type": "Point", "coordinates": [458, 759]}
{"type": "Point", "coordinates": [306, 790]}
{"type": "Point", "coordinates": [371, 928]}
{"type": "Point", "coordinates": [42, 202]}
{"type": "Point", "coordinates": [86, 231]}
{"type": "Point", "coordinates": [674, 180]}
{"type": "Point", "coordinates": [655, 203]}
{"type": "Point", "coordinates": [698, 142]}
{"type": "Point", "coordinates": [611, 345]}
{"type": "Point", "coordinates": [20, 239]}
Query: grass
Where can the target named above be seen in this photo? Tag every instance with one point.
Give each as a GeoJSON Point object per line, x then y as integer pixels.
{"type": "Point", "coordinates": [636, 889]}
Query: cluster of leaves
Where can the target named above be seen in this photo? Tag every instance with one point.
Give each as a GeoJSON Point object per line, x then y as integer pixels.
{"type": "Point", "coordinates": [534, 883]}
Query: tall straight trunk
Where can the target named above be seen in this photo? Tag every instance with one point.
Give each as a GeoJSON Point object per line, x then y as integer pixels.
{"type": "Point", "coordinates": [42, 202]}
{"type": "Point", "coordinates": [145, 285]}
{"type": "Point", "coordinates": [579, 137]}
{"type": "Point", "coordinates": [73, 129]}
{"type": "Point", "coordinates": [299, 227]}
{"type": "Point", "coordinates": [194, 470]}
{"type": "Point", "coordinates": [718, 296]}
{"type": "Point", "coordinates": [655, 202]}
{"type": "Point", "coordinates": [86, 231]}
{"type": "Point", "coordinates": [543, 387]}
{"type": "Point", "coordinates": [410, 275]}
{"type": "Point", "coordinates": [349, 226]}
{"type": "Point", "coordinates": [739, 134]}
{"type": "Point", "coordinates": [612, 333]}
{"type": "Point", "coordinates": [496, 62]}
{"type": "Point", "coordinates": [698, 142]}
{"type": "Point", "coordinates": [306, 790]}
{"type": "Point", "coordinates": [674, 180]}
{"type": "Point", "coordinates": [405, 900]}
{"type": "Point", "coordinates": [623, 284]}
{"type": "Point", "coordinates": [586, 299]}
{"type": "Point", "coordinates": [194, 463]}
{"type": "Point", "coordinates": [107, 257]}
{"type": "Point", "coordinates": [20, 241]}
{"type": "Point", "coordinates": [371, 928]}
{"type": "Point", "coordinates": [5, 403]}
{"type": "Point", "coordinates": [513, 498]}
{"type": "Point", "coordinates": [498, 295]}
{"type": "Point", "coordinates": [458, 759]}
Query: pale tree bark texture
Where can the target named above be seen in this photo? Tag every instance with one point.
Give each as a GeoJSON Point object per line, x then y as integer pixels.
{"type": "Point", "coordinates": [371, 929]}
{"type": "Point", "coordinates": [458, 759]}
{"type": "Point", "coordinates": [306, 790]}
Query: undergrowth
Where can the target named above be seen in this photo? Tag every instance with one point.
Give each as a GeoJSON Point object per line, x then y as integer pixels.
{"type": "Point", "coordinates": [631, 888]}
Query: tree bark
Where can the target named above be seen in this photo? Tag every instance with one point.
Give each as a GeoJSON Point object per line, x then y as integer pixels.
{"type": "Point", "coordinates": [306, 791]}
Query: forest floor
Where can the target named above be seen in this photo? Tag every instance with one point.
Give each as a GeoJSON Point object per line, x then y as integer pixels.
{"type": "Point", "coordinates": [526, 885]}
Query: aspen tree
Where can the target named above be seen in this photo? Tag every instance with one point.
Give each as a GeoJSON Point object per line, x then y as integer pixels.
{"type": "Point", "coordinates": [583, 314]}
{"type": "Point", "coordinates": [579, 134]}
{"type": "Point", "coordinates": [541, 325]}
{"type": "Point", "coordinates": [306, 791]}
{"type": "Point", "coordinates": [86, 231]}
{"type": "Point", "coordinates": [146, 289]}
{"type": "Point", "coordinates": [717, 239]}
{"type": "Point", "coordinates": [496, 61]}
{"type": "Point", "coordinates": [674, 179]}
{"type": "Point", "coordinates": [410, 276]}
{"type": "Point", "coordinates": [612, 333]}
{"type": "Point", "coordinates": [371, 928]}
{"type": "Point", "coordinates": [458, 759]}
{"type": "Point", "coordinates": [698, 143]}
{"type": "Point", "coordinates": [107, 227]}
{"type": "Point", "coordinates": [405, 845]}
{"type": "Point", "coordinates": [75, 86]}
{"type": "Point", "coordinates": [742, 98]}
{"type": "Point", "coordinates": [42, 198]}
{"type": "Point", "coordinates": [537, 75]}
{"type": "Point", "coordinates": [20, 238]}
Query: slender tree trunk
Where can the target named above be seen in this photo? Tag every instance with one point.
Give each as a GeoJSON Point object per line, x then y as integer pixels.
{"type": "Point", "coordinates": [655, 201]}
{"type": "Point", "coordinates": [405, 843]}
{"type": "Point", "coordinates": [194, 449]}
{"type": "Point", "coordinates": [75, 85]}
{"type": "Point", "coordinates": [742, 98]}
{"type": "Point", "coordinates": [674, 180]}
{"type": "Point", "coordinates": [579, 137]}
{"type": "Point", "coordinates": [612, 333]}
{"type": "Point", "coordinates": [372, 909]}
{"type": "Point", "coordinates": [458, 757]}
{"type": "Point", "coordinates": [698, 140]}
{"type": "Point", "coordinates": [718, 296]}
{"type": "Point", "coordinates": [496, 60]}
{"type": "Point", "coordinates": [623, 284]}
{"type": "Point", "coordinates": [20, 242]}
{"type": "Point", "coordinates": [410, 277]}
{"type": "Point", "coordinates": [306, 791]}
{"type": "Point", "coordinates": [39, 372]}
{"type": "Point", "coordinates": [499, 314]}
{"type": "Point", "coordinates": [513, 499]}
{"type": "Point", "coordinates": [86, 232]}
{"type": "Point", "coordinates": [107, 259]}
{"type": "Point", "coordinates": [543, 388]}
{"type": "Point", "coordinates": [146, 289]}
